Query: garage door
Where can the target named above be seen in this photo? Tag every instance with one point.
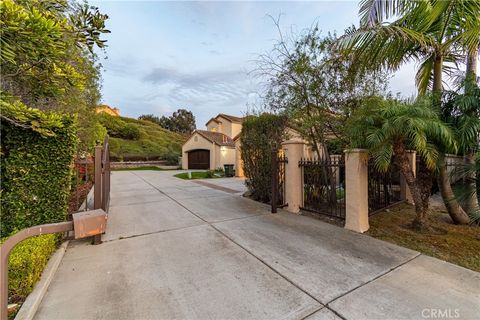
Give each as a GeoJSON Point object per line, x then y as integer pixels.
{"type": "Point", "coordinates": [199, 159]}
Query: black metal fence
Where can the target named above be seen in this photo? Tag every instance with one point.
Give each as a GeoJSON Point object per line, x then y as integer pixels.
{"type": "Point", "coordinates": [324, 186]}
{"type": "Point", "coordinates": [383, 187]}
{"type": "Point", "coordinates": [278, 181]}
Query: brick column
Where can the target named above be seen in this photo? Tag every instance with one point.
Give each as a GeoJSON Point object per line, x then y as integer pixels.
{"type": "Point", "coordinates": [404, 190]}
{"type": "Point", "coordinates": [293, 175]}
{"type": "Point", "coordinates": [356, 188]}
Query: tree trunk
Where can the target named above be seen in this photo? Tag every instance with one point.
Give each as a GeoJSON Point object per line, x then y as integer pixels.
{"type": "Point", "coordinates": [471, 74]}
{"type": "Point", "coordinates": [402, 161]}
{"type": "Point", "coordinates": [437, 80]}
{"type": "Point", "coordinates": [456, 212]}
{"type": "Point", "coordinates": [425, 182]}
{"type": "Point", "coordinates": [471, 202]}
{"type": "Point", "coordinates": [454, 209]}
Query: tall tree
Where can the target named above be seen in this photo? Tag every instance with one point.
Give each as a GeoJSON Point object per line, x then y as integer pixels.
{"type": "Point", "coordinates": [315, 85]}
{"type": "Point", "coordinates": [47, 58]}
{"type": "Point", "coordinates": [429, 32]}
{"type": "Point", "coordinates": [389, 128]}
{"type": "Point", "coordinates": [181, 121]}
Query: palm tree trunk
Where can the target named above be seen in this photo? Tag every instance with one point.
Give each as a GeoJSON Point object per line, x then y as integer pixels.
{"type": "Point", "coordinates": [437, 78]}
{"type": "Point", "coordinates": [425, 181]}
{"type": "Point", "coordinates": [458, 215]}
{"type": "Point", "coordinates": [454, 209]}
{"type": "Point", "coordinates": [471, 203]}
{"type": "Point", "coordinates": [471, 74]}
{"type": "Point", "coordinates": [421, 210]}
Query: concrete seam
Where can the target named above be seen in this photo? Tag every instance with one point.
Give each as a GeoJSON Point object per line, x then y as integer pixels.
{"type": "Point", "coordinates": [153, 232]}
{"type": "Point", "coordinates": [324, 307]}
{"type": "Point", "coordinates": [248, 251]}
{"type": "Point", "coordinates": [312, 313]}
{"type": "Point", "coordinates": [372, 280]}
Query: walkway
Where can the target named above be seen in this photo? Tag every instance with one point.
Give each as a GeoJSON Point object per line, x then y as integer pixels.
{"type": "Point", "coordinates": [176, 249]}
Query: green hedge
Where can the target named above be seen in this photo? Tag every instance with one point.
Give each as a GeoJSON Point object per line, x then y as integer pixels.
{"type": "Point", "coordinates": [38, 149]}
{"type": "Point", "coordinates": [260, 135]}
{"type": "Point", "coordinates": [26, 263]}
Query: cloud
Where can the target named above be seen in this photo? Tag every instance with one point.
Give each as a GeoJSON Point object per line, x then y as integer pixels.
{"type": "Point", "coordinates": [214, 88]}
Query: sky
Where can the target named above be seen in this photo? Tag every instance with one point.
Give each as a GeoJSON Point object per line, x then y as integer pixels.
{"type": "Point", "coordinates": [166, 55]}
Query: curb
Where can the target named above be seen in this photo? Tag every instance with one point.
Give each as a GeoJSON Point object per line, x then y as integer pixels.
{"type": "Point", "coordinates": [30, 306]}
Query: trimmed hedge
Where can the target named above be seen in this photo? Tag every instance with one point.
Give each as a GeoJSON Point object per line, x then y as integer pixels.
{"type": "Point", "coordinates": [38, 150]}
{"type": "Point", "coordinates": [260, 136]}
{"type": "Point", "coordinates": [26, 263]}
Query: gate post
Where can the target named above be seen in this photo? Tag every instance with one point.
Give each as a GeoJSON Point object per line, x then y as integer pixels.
{"type": "Point", "coordinates": [356, 190]}
{"type": "Point", "coordinates": [405, 193]}
{"type": "Point", "coordinates": [293, 175]}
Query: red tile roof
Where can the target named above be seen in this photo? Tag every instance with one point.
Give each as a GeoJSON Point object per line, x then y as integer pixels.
{"type": "Point", "coordinates": [217, 137]}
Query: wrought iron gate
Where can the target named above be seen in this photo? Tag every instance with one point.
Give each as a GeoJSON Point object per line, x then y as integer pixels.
{"type": "Point", "coordinates": [383, 187]}
{"type": "Point", "coordinates": [278, 181]}
{"type": "Point", "coordinates": [324, 186]}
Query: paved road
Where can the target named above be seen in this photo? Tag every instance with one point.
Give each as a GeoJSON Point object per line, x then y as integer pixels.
{"type": "Point", "coordinates": [176, 249]}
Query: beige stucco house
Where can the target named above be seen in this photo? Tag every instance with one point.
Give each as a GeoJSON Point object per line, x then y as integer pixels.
{"type": "Point", "coordinates": [220, 144]}
{"type": "Point", "coordinates": [216, 146]}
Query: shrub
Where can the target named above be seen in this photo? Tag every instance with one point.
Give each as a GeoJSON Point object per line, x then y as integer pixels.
{"type": "Point", "coordinates": [26, 263]}
{"type": "Point", "coordinates": [260, 136]}
{"type": "Point", "coordinates": [118, 128]}
{"type": "Point", "coordinates": [171, 157]}
{"type": "Point", "coordinates": [38, 149]}
{"type": "Point", "coordinates": [209, 174]}
{"type": "Point", "coordinates": [130, 132]}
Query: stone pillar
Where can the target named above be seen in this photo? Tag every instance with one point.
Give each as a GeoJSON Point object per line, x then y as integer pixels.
{"type": "Point", "coordinates": [405, 193]}
{"type": "Point", "coordinates": [238, 159]}
{"type": "Point", "coordinates": [356, 189]}
{"type": "Point", "coordinates": [293, 174]}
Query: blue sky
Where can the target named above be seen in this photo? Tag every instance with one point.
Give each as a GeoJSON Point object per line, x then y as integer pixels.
{"type": "Point", "coordinates": [162, 56]}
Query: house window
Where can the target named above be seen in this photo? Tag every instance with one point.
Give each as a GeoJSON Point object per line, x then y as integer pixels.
{"type": "Point", "coordinates": [195, 139]}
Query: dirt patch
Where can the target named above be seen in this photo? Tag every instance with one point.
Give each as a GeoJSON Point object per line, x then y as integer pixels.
{"type": "Point", "coordinates": [78, 195]}
{"type": "Point", "coordinates": [453, 243]}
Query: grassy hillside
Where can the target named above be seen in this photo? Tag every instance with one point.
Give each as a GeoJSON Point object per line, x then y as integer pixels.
{"type": "Point", "coordinates": [132, 139]}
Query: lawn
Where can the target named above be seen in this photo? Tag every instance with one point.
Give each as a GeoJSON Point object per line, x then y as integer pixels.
{"type": "Point", "coordinates": [154, 143]}
{"type": "Point", "coordinates": [155, 168]}
{"type": "Point", "coordinates": [198, 175]}
{"type": "Point", "coordinates": [453, 243]}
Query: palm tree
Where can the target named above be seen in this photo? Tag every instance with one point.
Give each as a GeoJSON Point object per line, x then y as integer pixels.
{"type": "Point", "coordinates": [430, 32]}
{"type": "Point", "coordinates": [462, 112]}
{"type": "Point", "coordinates": [389, 128]}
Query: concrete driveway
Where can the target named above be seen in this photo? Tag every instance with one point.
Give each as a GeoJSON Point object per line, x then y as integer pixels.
{"type": "Point", "coordinates": [177, 249]}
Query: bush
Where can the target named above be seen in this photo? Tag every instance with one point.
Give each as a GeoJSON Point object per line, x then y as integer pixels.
{"type": "Point", "coordinates": [118, 128]}
{"type": "Point", "coordinates": [260, 136]}
{"type": "Point", "coordinates": [171, 157]}
{"type": "Point", "coordinates": [38, 149]}
{"type": "Point", "coordinates": [209, 174]}
{"type": "Point", "coordinates": [26, 263]}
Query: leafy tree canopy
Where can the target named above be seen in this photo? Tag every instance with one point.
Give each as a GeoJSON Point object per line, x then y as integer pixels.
{"type": "Point", "coordinates": [181, 121]}
{"type": "Point", "coordinates": [47, 59]}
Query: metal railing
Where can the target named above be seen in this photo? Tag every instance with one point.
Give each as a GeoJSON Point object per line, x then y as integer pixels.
{"type": "Point", "coordinates": [101, 197]}
{"type": "Point", "coordinates": [278, 181]}
{"type": "Point", "coordinates": [384, 188]}
{"type": "Point", "coordinates": [84, 224]}
{"type": "Point", "coordinates": [324, 185]}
